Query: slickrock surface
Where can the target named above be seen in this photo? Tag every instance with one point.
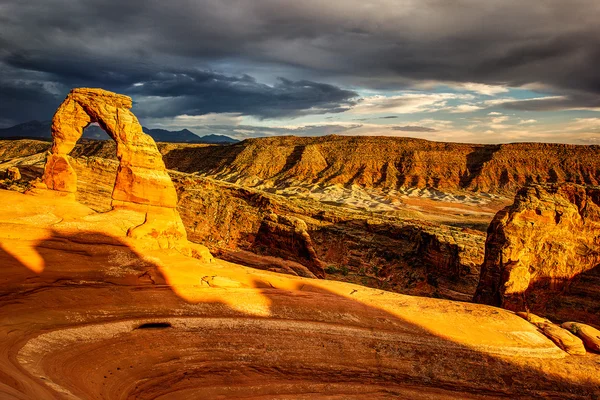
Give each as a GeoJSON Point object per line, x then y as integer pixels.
{"type": "Point", "coordinates": [559, 335]}
{"type": "Point", "coordinates": [86, 313]}
{"type": "Point", "coordinates": [543, 252]}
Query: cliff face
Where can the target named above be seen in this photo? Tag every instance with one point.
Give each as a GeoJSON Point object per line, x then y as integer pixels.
{"type": "Point", "coordinates": [395, 251]}
{"type": "Point", "coordinates": [375, 250]}
{"type": "Point", "coordinates": [391, 163]}
{"type": "Point", "coordinates": [543, 253]}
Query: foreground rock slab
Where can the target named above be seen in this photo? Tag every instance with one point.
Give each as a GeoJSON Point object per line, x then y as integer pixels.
{"type": "Point", "coordinates": [562, 337]}
{"type": "Point", "coordinates": [85, 313]}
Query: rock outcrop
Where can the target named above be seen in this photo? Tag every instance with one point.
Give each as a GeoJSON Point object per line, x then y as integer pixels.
{"type": "Point", "coordinates": [287, 237]}
{"type": "Point", "coordinates": [589, 334]}
{"type": "Point", "coordinates": [385, 163]}
{"type": "Point", "coordinates": [562, 337]}
{"type": "Point", "coordinates": [13, 174]}
{"type": "Point", "coordinates": [389, 250]}
{"type": "Point", "coordinates": [543, 253]}
{"type": "Point", "coordinates": [141, 183]}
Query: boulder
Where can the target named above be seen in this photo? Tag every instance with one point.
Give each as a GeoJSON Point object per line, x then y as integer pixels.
{"type": "Point", "coordinates": [288, 237]}
{"type": "Point", "coordinates": [563, 339]}
{"type": "Point", "coordinates": [589, 334]}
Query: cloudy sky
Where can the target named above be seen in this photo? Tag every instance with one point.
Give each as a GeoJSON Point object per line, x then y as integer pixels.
{"type": "Point", "coordinates": [454, 70]}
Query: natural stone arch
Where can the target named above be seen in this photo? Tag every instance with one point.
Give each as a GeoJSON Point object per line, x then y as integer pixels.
{"type": "Point", "coordinates": [141, 176]}
{"type": "Point", "coordinates": [142, 184]}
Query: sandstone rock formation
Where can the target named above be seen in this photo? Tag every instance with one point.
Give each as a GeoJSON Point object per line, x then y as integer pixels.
{"type": "Point", "coordinates": [141, 183]}
{"type": "Point", "coordinates": [385, 163]}
{"type": "Point", "coordinates": [543, 253]}
{"type": "Point", "coordinates": [288, 238]}
{"type": "Point", "coordinates": [589, 334]}
{"type": "Point", "coordinates": [13, 174]}
{"type": "Point", "coordinates": [391, 163]}
{"type": "Point", "coordinates": [392, 250]}
{"type": "Point", "coordinates": [562, 337]}
{"type": "Point", "coordinates": [86, 314]}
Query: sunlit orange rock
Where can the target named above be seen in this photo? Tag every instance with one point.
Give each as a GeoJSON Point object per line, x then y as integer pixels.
{"type": "Point", "coordinates": [589, 334]}
{"type": "Point", "coordinates": [542, 253]}
{"type": "Point", "coordinates": [561, 336]}
{"type": "Point", "coordinates": [142, 182]}
{"type": "Point", "coordinates": [85, 313]}
{"type": "Point", "coordinates": [13, 173]}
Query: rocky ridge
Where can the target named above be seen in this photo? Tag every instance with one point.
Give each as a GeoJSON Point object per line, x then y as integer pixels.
{"type": "Point", "coordinates": [389, 163]}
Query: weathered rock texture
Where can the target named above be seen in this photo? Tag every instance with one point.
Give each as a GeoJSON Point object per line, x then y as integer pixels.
{"type": "Point", "coordinates": [373, 162]}
{"type": "Point", "coordinates": [559, 335]}
{"type": "Point", "coordinates": [543, 253]}
{"type": "Point", "coordinates": [395, 251]}
{"type": "Point", "coordinates": [13, 173]}
{"type": "Point", "coordinates": [288, 238]}
{"type": "Point", "coordinates": [588, 334]}
{"type": "Point", "coordinates": [141, 177]}
{"type": "Point", "coordinates": [141, 182]}
{"type": "Point", "coordinates": [391, 163]}
{"type": "Point", "coordinates": [86, 314]}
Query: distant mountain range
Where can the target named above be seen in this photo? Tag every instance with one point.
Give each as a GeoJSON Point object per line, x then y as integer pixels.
{"type": "Point", "coordinates": [41, 130]}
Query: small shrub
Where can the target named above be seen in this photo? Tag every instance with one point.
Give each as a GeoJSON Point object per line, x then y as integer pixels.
{"type": "Point", "coordinates": [331, 269]}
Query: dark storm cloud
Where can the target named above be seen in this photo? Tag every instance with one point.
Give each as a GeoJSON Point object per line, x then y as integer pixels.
{"type": "Point", "coordinates": [382, 44]}
{"type": "Point", "coordinates": [203, 92]}
{"type": "Point", "coordinates": [25, 101]}
{"type": "Point", "coordinates": [413, 128]}
{"type": "Point", "coordinates": [555, 103]}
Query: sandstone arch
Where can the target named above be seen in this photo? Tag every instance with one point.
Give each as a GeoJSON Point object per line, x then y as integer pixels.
{"type": "Point", "coordinates": [141, 177]}
{"type": "Point", "coordinates": [142, 183]}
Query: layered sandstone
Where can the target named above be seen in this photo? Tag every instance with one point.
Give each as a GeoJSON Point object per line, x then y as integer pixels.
{"type": "Point", "coordinates": [588, 334]}
{"type": "Point", "coordinates": [391, 163]}
{"type": "Point", "coordinates": [542, 253]}
{"type": "Point", "coordinates": [385, 163]}
{"type": "Point", "coordinates": [288, 238]}
{"type": "Point", "coordinates": [86, 313]}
